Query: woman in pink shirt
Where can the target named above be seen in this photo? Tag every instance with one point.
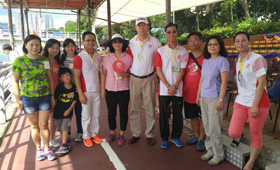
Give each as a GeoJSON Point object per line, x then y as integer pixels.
{"type": "Point", "coordinates": [115, 86]}
{"type": "Point", "coordinates": [52, 52]}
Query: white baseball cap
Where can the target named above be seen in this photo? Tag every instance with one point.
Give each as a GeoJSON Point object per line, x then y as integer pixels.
{"type": "Point", "coordinates": [141, 19]}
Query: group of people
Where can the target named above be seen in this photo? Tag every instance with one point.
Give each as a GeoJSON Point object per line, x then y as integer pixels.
{"type": "Point", "coordinates": [197, 80]}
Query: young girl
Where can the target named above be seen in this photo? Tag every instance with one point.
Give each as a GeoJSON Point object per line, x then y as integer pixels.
{"type": "Point", "coordinates": [52, 52]}
{"type": "Point", "coordinates": [67, 58]}
{"type": "Point", "coordinates": [37, 92]}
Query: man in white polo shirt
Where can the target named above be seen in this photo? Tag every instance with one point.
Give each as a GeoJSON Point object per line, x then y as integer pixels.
{"type": "Point", "coordinates": [171, 61]}
{"type": "Point", "coordinates": [142, 48]}
{"type": "Point", "coordinates": [86, 74]}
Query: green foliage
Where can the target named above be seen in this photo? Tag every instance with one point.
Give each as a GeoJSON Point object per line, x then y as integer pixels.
{"type": "Point", "coordinates": [71, 26]}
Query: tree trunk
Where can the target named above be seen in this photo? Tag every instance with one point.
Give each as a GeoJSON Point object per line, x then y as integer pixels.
{"type": "Point", "coordinates": [197, 18]}
{"type": "Point", "coordinates": [231, 14]}
{"type": "Point", "coordinates": [266, 12]}
{"type": "Point", "coordinates": [245, 6]}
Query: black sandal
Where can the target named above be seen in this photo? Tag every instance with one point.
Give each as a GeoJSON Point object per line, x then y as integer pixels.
{"type": "Point", "coordinates": [234, 143]}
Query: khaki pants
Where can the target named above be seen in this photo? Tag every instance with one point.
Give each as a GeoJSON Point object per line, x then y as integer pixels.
{"type": "Point", "coordinates": [212, 122]}
{"type": "Point", "coordinates": [142, 90]}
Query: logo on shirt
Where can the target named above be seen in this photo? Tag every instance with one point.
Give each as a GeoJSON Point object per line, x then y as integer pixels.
{"type": "Point", "coordinates": [248, 65]}
{"type": "Point", "coordinates": [179, 56]}
{"type": "Point", "coordinates": [66, 98]}
{"type": "Point", "coordinates": [150, 46]}
{"type": "Point", "coordinates": [193, 67]}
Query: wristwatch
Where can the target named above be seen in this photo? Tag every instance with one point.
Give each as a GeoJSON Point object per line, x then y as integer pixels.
{"type": "Point", "coordinates": [221, 100]}
{"type": "Point", "coordinates": [70, 109]}
{"type": "Point", "coordinates": [176, 87]}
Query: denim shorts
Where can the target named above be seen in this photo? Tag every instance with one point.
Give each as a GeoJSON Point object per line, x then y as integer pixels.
{"type": "Point", "coordinates": [35, 104]}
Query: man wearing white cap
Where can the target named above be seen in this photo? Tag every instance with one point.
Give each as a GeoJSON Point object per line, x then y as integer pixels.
{"type": "Point", "coordinates": [142, 48]}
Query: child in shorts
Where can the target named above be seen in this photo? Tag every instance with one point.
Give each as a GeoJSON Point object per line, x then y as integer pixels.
{"type": "Point", "coordinates": [66, 98]}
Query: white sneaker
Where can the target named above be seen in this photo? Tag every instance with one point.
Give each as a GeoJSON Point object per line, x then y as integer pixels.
{"type": "Point", "coordinates": [54, 143]}
{"type": "Point", "coordinates": [79, 137]}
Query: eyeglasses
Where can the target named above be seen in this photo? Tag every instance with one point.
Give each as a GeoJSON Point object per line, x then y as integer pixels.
{"type": "Point", "coordinates": [117, 41]}
{"type": "Point", "coordinates": [239, 75]}
{"type": "Point", "coordinates": [193, 41]}
{"type": "Point", "coordinates": [214, 45]}
{"type": "Point", "coordinates": [89, 40]}
{"type": "Point", "coordinates": [169, 32]}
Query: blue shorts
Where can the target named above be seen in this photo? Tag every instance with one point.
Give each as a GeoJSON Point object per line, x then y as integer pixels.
{"type": "Point", "coordinates": [35, 104]}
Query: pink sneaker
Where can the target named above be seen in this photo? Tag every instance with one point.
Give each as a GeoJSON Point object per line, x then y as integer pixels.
{"type": "Point", "coordinates": [50, 155]}
{"type": "Point", "coordinates": [40, 154]}
{"type": "Point", "coordinates": [110, 138]}
{"type": "Point", "coordinates": [121, 140]}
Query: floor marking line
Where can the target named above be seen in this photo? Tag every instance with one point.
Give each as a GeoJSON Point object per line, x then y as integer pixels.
{"type": "Point", "coordinates": [112, 156]}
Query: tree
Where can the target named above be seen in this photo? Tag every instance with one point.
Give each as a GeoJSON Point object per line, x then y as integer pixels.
{"type": "Point", "coordinates": [245, 6]}
{"type": "Point", "coordinates": [71, 26]}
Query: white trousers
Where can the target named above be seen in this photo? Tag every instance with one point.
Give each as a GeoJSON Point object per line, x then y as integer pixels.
{"type": "Point", "coordinates": [90, 114]}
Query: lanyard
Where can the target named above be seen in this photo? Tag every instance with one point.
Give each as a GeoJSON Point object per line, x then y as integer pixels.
{"type": "Point", "coordinates": [241, 62]}
{"type": "Point", "coordinates": [143, 42]}
{"type": "Point", "coordinates": [174, 57]}
{"type": "Point", "coordinates": [93, 59]}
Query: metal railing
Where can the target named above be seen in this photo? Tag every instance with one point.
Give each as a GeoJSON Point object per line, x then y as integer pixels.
{"type": "Point", "coordinates": [5, 91]}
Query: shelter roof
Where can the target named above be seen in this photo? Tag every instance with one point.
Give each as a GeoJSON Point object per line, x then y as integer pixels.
{"type": "Point", "coordinates": [128, 10]}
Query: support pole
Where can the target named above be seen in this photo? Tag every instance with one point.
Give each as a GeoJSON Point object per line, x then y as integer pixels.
{"type": "Point", "coordinates": [77, 27]}
{"type": "Point", "coordinates": [79, 33]}
{"type": "Point", "coordinates": [22, 22]}
{"type": "Point", "coordinates": [168, 11]}
{"type": "Point", "coordinates": [109, 19]}
{"type": "Point", "coordinates": [89, 23]}
{"type": "Point", "coordinates": [10, 23]}
{"type": "Point", "coordinates": [26, 19]}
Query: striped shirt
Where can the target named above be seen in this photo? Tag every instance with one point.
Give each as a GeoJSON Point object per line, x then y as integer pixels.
{"type": "Point", "coordinates": [68, 63]}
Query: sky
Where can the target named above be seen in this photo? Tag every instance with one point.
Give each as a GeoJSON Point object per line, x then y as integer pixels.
{"type": "Point", "coordinates": [58, 19]}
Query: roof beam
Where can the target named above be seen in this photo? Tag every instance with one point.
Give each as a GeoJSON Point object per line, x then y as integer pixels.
{"type": "Point", "coordinates": [64, 4]}
{"type": "Point", "coordinates": [26, 4]}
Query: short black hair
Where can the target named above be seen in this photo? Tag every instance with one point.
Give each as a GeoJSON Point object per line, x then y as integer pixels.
{"type": "Point", "coordinates": [87, 33]}
{"type": "Point", "coordinates": [242, 32]}
{"type": "Point", "coordinates": [64, 70]}
{"type": "Point", "coordinates": [48, 45]}
{"type": "Point", "coordinates": [29, 38]}
{"type": "Point", "coordinates": [7, 47]}
{"type": "Point", "coordinates": [222, 52]}
{"type": "Point", "coordinates": [195, 33]}
{"type": "Point", "coordinates": [64, 55]}
{"type": "Point", "coordinates": [170, 24]}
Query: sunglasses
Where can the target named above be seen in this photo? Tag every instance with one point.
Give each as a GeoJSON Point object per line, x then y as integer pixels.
{"type": "Point", "coordinates": [117, 41]}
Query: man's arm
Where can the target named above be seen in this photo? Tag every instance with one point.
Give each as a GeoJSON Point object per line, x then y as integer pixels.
{"type": "Point", "coordinates": [77, 78]}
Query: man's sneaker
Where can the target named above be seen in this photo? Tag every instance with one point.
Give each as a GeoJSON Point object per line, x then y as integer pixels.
{"type": "Point", "coordinates": [50, 155]}
{"type": "Point", "coordinates": [200, 145]}
{"type": "Point", "coordinates": [40, 154]}
{"type": "Point", "coordinates": [64, 148]}
{"type": "Point", "coordinates": [177, 142]}
{"type": "Point", "coordinates": [192, 141]}
{"type": "Point", "coordinates": [96, 140]}
{"type": "Point", "coordinates": [214, 161]}
{"type": "Point", "coordinates": [206, 157]}
{"type": "Point", "coordinates": [54, 144]}
{"type": "Point", "coordinates": [121, 140]}
{"type": "Point", "coordinates": [88, 142]}
{"type": "Point", "coordinates": [164, 144]}
{"type": "Point", "coordinates": [79, 137]}
{"type": "Point", "coordinates": [110, 138]}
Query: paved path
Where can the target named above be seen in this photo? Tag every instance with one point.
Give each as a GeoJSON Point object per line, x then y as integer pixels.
{"type": "Point", "coordinates": [18, 152]}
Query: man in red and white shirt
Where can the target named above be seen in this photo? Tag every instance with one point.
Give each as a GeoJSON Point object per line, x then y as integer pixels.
{"type": "Point", "coordinates": [171, 61]}
{"type": "Point", "coordinates": [87, 80]}
{"type": "Point", "coordinates": [142, 83]}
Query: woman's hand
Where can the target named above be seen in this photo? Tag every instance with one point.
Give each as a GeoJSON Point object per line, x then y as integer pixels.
{"type": "Point", "coordinates": [198, 100]}
{"type": "Point", "coordinates": [219, 105]}
{"type": "Point", "coordinates": [19, 105]}
{"type": "Point", "coordinates": [103, 93]}
{"type": "Point", "coordinates": [67, 112]}
{"type": "Point", "coordinates": [254, 111]}
{"type": "Point", "coordinates": [52, 102]}
{"type": "Point", "coordinates": [83, 98]}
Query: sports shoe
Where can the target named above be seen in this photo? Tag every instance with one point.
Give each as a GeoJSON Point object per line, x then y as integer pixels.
{"type": "Point", "coordinates": [192, 141]}
{"type": "Point", "coordinates": [64, 148]}
{"type": "Point", "coordinates": [88, 142]}
{"type": "Point", "coordinates": [214, 161]}
{"type": "Point", "coordinates": [110, 138]}
{"type": "Point", "coordinates": [177, 142]}
{"type": "Point", "coordinates": [54, 144]}
{"type": "Point", "coordinates": [164, 144]}
{"type": "Point", "coordinates": [121, 140]}
{"type": "Point", "coordinates": [40, 154]}
{"type": "Point", "coordinates": [50, 155]}
{"type": "Point", "coordinates": [96, 140]}
{"type": "Point", "coordinates": [200, 145]}
{"type": "Point", "coordinates": [79, 137]}
{"type": "Point", "coordinates": [206, 157]}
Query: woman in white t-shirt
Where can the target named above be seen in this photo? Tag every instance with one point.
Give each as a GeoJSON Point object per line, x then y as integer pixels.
{"type": "Point", "coordinates": [252, 100]}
